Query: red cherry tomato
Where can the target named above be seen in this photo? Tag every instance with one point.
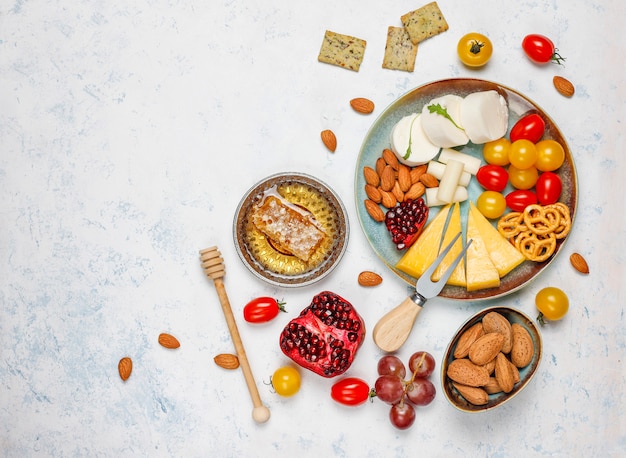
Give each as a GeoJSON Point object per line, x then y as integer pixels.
{"type": "Point", "coordinates": [540, 49]}
{"type": "Point", "coordinates": [548, 188]}
{"type": "Point", "coordinates": [350, 391]}
{"type": "Point", "coordinates": [519, 199]}
{"type": "Point", "coordinates": [492, 177]}
{"type": "Point", "coordinates": [530, 127]}
{"type": "Point", "coordinates": [262, 309]}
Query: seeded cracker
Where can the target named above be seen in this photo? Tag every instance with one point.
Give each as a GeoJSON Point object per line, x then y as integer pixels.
{"type": "Point", "coordinates": [400, 52]}
{"type": "Point", "coordinates": [424, 22]}
{"type": "Point", "coordinates": [342, 50]}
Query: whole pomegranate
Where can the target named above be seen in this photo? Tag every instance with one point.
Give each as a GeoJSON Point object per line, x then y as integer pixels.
{"type": "Point", "coordinates": [326, 335]}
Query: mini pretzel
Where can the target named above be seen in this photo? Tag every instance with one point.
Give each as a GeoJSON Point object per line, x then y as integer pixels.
{"type": "Point", "coordinates": [536, 247]}
{"type": "Point", "coordinates": [511, 224]}
{"type": "Point", "coordinates": [538, 221]}
{"type": "Point", "coordinates": [566, 221]}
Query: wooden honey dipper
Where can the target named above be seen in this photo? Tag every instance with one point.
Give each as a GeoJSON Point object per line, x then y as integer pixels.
{"type": "Point", "coordinates": [213, 266]}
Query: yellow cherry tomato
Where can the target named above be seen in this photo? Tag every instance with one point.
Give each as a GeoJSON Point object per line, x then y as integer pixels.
{"type": "Point", "coordinates": [491, 204]}
{"type": "Point", "coordinates": [550, 155]}
{"type": "Point", "coordinates": [286, 381]}
{"type": "Point", "coordinates": [523, 154]}
{"type": "Point", "coordinates": [523, 178]}
{"type": "Point", "coordinates": [496, 152]}
{"type": "Point", "coordinates": [474, 49]}
{"type": "Point", "coordinates": [552, 304]}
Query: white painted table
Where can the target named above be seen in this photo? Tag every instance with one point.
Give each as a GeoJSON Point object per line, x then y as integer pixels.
{"type": "Point", "coordinates": [129, 131]}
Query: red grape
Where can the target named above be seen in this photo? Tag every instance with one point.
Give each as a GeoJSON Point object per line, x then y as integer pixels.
{"type": "Point", "coordinates": [421, 392]}
{"type": "Point", "coordinates": [402, 415]}
{"type": "Point", "coordinates": [389, 388]}
{"type": "Point", "coordinates": [391, 365]}
{"type": "Point", "coordinates": [421, 364]}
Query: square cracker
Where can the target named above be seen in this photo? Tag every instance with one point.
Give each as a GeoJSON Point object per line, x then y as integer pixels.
{"type": "Point", "coordinates": [342, 50]}
{"type": "Point", "coordinates": [424, 22]}
{"type": "Point", "coordinates": [400, 52]}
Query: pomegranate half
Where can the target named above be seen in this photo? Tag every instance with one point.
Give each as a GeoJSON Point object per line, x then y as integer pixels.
{"type": "Point", "coordinates": [326, 335]}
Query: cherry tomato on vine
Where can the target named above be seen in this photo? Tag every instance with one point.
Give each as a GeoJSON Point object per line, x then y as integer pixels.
{"type": "Point", "coordinates": [552, 304]}
{"type": "Point", "coordinates": [523, 154]}
{"type": "Point", "coordinates": [286, 381]}
{"type": "Point", "coordinates": [492, 177]}
{"type": "Point", "coordinates": [540, 49]}
{"type": "Point", "coordinates": [496, 152]}
{"type": "Point", "coordinates": [530, 127]}
{"type": "Point", "coordinates": [474, 49]}
{"type": "Point", "coordinates": [262, 309]}
{"type": "Point", "coordinates": [550, 155]}
{"type": "Point", "coordinates": [519, 199]}
{"type": "Point", "coordinates": [491, 204]}
{"type": "Point", "coordinates": [548, 188]}
{"type": "Point", "coordinates": [350, 391]}
{"type": "Point", "coordinates": [523, 178]}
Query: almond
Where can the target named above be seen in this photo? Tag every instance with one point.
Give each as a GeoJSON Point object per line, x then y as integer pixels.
{"type": "Point", "coordinates": [490, 366]}
{"type": "Point", "coordinates": [563, 86]}
{"type": "Point", "coordinates": [362, 105]}
{"type": "Point", "coordinates": [416, 191]}
{"type": "Point", "coordinates": [485, 348]}
{"type": "Point", "coordinates": [390, 159]}
{"type": "Point", "coordinates": [467, 339]}
{"type": "Point", "coordinates": [504, 373]}
{"type": "Point", "coordinates": [492, 386]}
{"type": "Point", "coordinates": [168, 341]}
{"type": "Point", "coordinates": [329, 139]}
{"type": "Point", "coordinates": [579, 263]}
{"type": "Point", "coordinates": [467, 373]}
{"type": "Point", "coordinates": [373, 193]}
{"type": "Point", "coordinates": [429, 180]}
{"type": "Point", "coordinates": [522, 350]}
{"type": "Point", "coordinates": [387, 178]}
{"type": "Point", "coordinates": [367, 278]}
{"type": "Point", "coordinates": [227, 361]}
{"type": "Point", "coordinates": [380, 165]}
{"type": "Point", "coordinates": [388, 199]}
{"type": "Point", "coordinates": [473, 395]}
{"type": "Point", "coordinates": [374, 210]}
{"type": "Point", "coordinates": [398, 192]}
{"type": "Point", "coordinates": [417, 172]}
{"type": "Point", "coordinates": [125, 367]}
{"type": "Point", "coordinates": [371, 177]}
{"type": "Point", "coordinates": [404, 177]}
{"type": "Point", "coordinates": [495, 322]}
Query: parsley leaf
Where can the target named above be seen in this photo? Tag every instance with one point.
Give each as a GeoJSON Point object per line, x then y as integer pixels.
{"type": "Point", "coordinates": [437, 108]}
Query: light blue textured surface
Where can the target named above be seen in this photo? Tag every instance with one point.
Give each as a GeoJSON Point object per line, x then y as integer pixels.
{"type": "Point", "coordinates": [129, 131]}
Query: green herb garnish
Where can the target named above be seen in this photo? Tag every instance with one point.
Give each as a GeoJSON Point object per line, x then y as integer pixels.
{"type": "Point", "coordinates": [408, 149]}
{"type": "Point", "coordinates": [443, 112]}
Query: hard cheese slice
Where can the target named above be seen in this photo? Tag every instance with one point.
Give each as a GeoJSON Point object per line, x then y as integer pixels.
{"type": "Point", "coordinates": [504, 256]}
{"type": "Point", "coordinates": [426, 248]}
{"type": "Point", "coordinates": [481, 273]}
{"type": "Point", "coordinates": [454, 227]}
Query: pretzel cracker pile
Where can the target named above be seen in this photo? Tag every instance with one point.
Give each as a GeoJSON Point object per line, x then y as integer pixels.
{"type": "Point", "coordinates": [535, 231]}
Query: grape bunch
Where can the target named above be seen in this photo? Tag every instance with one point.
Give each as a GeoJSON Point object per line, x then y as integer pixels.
{"type": "Point", "coordinates": [405, 394]}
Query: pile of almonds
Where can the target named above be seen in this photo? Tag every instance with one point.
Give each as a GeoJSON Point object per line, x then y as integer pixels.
{"type": "Point", "coordinates": [389, 182]}
{"type": "Point", "coordinates": [488, 357]}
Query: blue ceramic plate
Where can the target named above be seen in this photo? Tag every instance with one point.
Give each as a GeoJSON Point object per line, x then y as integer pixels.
{"type": "Point", "coordinates": [377, 139]}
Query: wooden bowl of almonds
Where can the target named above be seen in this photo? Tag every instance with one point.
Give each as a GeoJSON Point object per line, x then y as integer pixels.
{"type": "Point", "coordinates": [490, 359]}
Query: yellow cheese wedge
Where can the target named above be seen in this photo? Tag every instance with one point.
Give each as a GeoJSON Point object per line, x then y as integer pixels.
{"type": "Point", "coordinates": [423, 252]}
{"type": "Point", "coordinates": [454, 227]}
{"type": "Point", "coordinates": [504, 256]}
{"type": "Point", "coordinates": [481, 273]}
